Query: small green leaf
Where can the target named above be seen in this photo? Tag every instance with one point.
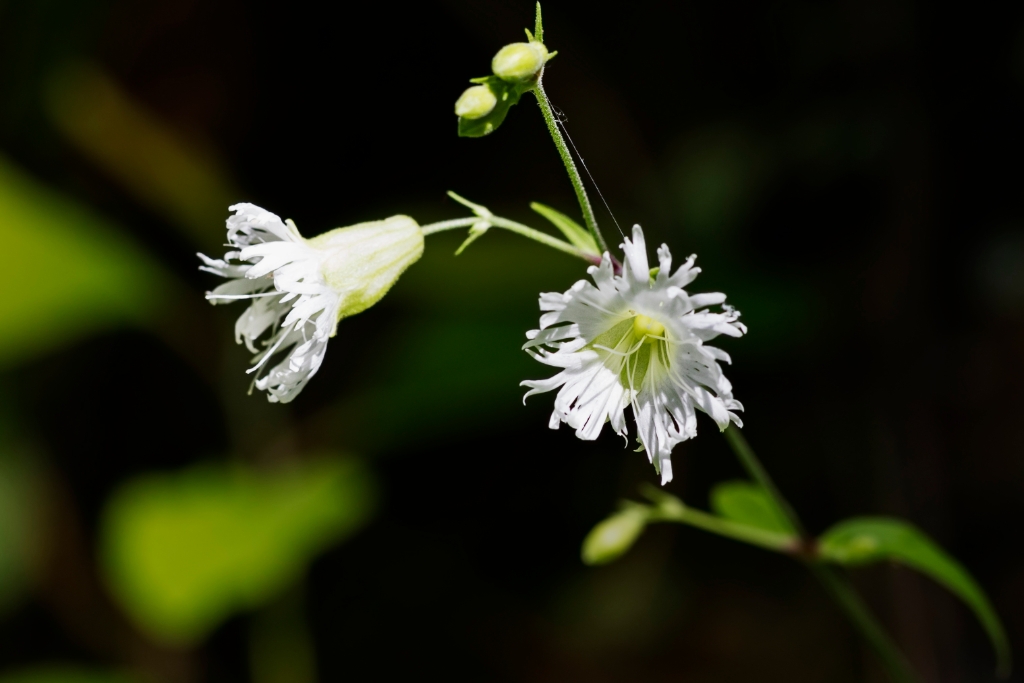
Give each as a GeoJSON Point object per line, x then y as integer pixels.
{"type": "Point", "coordinates": [478, 209]}
{"type": "Point", "coordinates": [538, 26]}
{"type": "Point", "coordinates": [573, 231]}
{"type": "Point", "coordinates": [182, 552]}
{"type": "Point", "coordinates": [865, 540]}
{"type": "Point", "coordinates": [476, 231]}
{"type": "Point", "coordinates": [507, 95]}
{"type": "Point", "coordinates": [610, 539]}
{"type": "Point", "coordinates": [747, 503]}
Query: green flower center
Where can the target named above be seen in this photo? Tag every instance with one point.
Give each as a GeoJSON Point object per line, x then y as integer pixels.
{"type": "Point", "coordinates": [628, 348]}
{"type": "Point", "coordinates": [648, 329]}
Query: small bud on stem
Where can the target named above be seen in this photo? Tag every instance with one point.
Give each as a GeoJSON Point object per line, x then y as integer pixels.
{"type": "Point", "coordinates": [519, 61]}
{"type": "Point", "coordinates": [476, 102]}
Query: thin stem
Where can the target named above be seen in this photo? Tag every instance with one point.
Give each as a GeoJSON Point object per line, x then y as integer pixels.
{"type": "Point", "coordinates": [512, 226]}
{"type": "Point", "coordinates": [857, 612]}
{"type": "Point", "coordinates": [758, 473]}
{"type": "Point", "coordinates": [769, 540]}
{"type": "Point", "coordinates": [431, 228]}
{"type": "Point", "coordinates": [838, 587]}
{"type": "Point", "coordinates": [570, 165]}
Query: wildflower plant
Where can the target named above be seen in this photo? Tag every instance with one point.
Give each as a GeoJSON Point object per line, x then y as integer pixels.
{"type": "Point", "coordinates": [630, 347]}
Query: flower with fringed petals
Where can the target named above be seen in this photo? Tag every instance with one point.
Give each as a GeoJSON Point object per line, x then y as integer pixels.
{"type": "Point", "coordinates": [300, 288]}
{"type": "Point", "coordinates": [636, 339]}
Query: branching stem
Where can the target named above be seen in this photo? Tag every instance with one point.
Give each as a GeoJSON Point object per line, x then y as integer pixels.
{"type": "Point", "coordinates": [838, 587]}
{"type": "Point", "coordinates": [512, 226]}
{"type": "Point", "coordinates": [769, 540]}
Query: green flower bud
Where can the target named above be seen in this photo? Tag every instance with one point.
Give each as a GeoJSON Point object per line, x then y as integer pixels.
{"type": "Point", "coordinates": [519, 61]}
{"type": "Point", "coordinates": [476, 103]}
{"type": "Point", "coordinates": [362, 262]}
{"type": "Point", "coordinates": [614, 536]}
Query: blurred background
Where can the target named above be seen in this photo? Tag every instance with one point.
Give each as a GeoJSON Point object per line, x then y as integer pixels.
{"type": "Point", "coordinates": [849, 173]}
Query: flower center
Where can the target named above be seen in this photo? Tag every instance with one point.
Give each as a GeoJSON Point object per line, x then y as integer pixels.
{"type": "Point", "coordinates": [648, 328]}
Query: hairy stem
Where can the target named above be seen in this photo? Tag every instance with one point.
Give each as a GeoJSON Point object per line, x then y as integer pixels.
{"type": "Point", "coordinates": [570, 165]}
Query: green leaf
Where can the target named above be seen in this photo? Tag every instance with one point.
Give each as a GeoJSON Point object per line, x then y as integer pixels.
{"type": "Point", "coordinates": [478, 209]}
{"type": "Point", "coordinates": [865, 540]}
{"type": "Point", "coordinates": [538, 26]}
{"type": "Point", "coordinates": [476, 231]}
{"type": "Point", "coordinates": [140, 151]}
{"type": "Point", "coordinates": [508, 94]}
{"type": "Point", "coordinates": [182, 552]}
{"type": "Point", "coordinates": [610, 539]}
{"type": "Point", "coordinates": [748, 503]}
{"type": "Point", "coordinates": [66, 273]}
{"type": "Point", "coordinates": [573, 231]}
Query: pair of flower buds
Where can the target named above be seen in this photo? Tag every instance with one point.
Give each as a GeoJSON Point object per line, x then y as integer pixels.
{"type": "Point", "coordinates": [633, 339]}
{"type": "Point", "coordinates": [516, 64]}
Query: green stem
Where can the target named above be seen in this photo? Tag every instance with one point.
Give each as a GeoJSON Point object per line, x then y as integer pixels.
{"type": "Point", "coordinates": [758, 473]}
{"type": "Point", "coordinates": [857, 612]}
{"type": "Point", "coordinates": [838, 587]}
{"type": "Point", "coordinates": [570, 165]}
{"type": "Point", "coordinates": [512, 226]}
{"type": "Point", "coordinates": [770, 540]}
{"type": "Point", "coordinates": [431, 228]}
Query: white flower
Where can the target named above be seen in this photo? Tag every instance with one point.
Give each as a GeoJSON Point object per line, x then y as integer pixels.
{"type": "Point", "coordinates": [301, 288]}
{"type": "Point", "coordinates": [636, 339]}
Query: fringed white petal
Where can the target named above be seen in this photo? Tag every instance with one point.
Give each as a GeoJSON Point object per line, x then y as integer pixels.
{"type": "Point", "coordinates": [292, 311]}
{"type": "Point", "coordinates": [586, 334]}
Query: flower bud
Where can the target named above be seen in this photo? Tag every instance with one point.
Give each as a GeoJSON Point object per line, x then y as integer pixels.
{"type": "Point", "coordinates": [476, 103]}
{"type": "Point", "coordinates": [519, 61]}
{"type": "Point", "coordinates": [366, 259]}
{"type": "Point", "coordinates": [614, 536]}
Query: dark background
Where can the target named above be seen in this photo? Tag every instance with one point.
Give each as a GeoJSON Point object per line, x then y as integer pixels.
{"type": "Point", "coordinates": [849, 174]}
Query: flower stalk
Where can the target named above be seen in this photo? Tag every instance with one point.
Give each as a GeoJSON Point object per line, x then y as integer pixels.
{"type": "Point", "coordinates": [512, 226]}
{"type": "Point", "coordinates": [670, 509]}
{"type": "Point", "coordinates": [570, 165]}
{"type": "Point", "coordinates": [838, 587]}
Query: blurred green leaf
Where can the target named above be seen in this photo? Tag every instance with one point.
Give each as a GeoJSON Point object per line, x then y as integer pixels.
{"type": "Point", "coordinates": [747, 503]}
{"type": "Point", "coordinates": [66, 272]}
{"type": "Point", "coordinates": [19, 524]}
{"type": "Point", "coordinates": [611, 538]}
{"type": "Point", "coordinates": [573, 231]}
{"type": "Point", "coordinates": [156, 164]}
{"type": "Point", "coordinates": [184, 551]}
{"type": "Point", "coordinates": [865, 540]}
{"type": "Point", "coordinates": [58, 673]}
